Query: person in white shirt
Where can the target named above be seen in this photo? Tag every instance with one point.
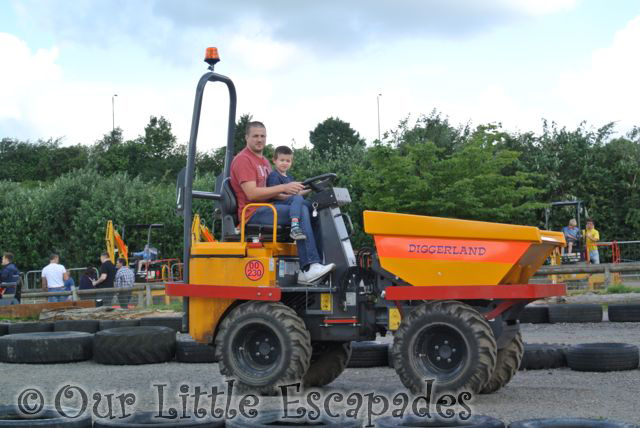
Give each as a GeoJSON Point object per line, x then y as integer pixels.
{"type": "Point", "coordinates": [53, 277]}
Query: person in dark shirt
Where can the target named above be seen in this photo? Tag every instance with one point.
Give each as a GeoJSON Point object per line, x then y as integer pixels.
{"type": "Point", "coordinates": [107, 273]}
{"type": "Point", "coordinates": [282, 160]}
{"type": "Point", "coordinates": [86, 281]}
{"type": "Point", "coordinates": [9, 274]}
{"type": "Point", "coordinates": [87, 278]}
{"type": "Point", "coordinates": [105, 280]}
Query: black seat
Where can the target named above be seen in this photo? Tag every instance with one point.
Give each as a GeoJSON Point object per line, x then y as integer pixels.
{"type": "Point", "coordinates": [230, 223]}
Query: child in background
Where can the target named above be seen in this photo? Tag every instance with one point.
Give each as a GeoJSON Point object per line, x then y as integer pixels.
{"type": "Point", "coordinates": [282, 160]}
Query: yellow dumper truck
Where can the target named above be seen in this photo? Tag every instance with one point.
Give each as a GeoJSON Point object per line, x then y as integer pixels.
{"type": "Point", "coordinates": [449, 290]}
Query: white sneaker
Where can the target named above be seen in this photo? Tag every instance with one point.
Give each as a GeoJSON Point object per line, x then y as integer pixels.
{"type": "Point", "coordinates": [315, 273]}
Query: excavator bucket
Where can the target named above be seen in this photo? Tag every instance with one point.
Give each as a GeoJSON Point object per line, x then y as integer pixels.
{"type": "Point", "coordinates": [435, 251]}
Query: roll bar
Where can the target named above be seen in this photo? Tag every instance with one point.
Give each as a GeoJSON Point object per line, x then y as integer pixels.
{"type": "Point", "coordinates": [185, 192]}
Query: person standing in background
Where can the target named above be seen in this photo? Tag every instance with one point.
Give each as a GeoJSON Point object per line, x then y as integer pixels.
{"type": "Point", "coordinates": [592, 236]}
{"type": "Point", "coordinates": [53, 277]}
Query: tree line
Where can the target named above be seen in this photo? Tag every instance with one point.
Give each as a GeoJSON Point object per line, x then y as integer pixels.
{"type": "Point", "coordinates": [59, 198]}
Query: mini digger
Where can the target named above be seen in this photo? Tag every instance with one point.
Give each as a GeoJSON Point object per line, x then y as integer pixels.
{"type": "Point", "coordinates": [450, 291]}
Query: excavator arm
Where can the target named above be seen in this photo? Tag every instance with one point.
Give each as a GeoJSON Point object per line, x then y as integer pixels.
{"type": "Point", "coordinates": [114, 242]}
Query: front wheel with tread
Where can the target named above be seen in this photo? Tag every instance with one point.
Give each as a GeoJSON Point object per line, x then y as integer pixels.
{"type": "Point", "coordinates": [263, 345]}
{"type": "Point", "coordinates": [448, 341]}
{"type": "Point", "coordinates": [509, 359]}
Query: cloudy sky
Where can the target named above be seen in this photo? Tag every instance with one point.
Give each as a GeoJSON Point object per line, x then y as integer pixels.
{"type": "Point", "coordinates": [295, 63]}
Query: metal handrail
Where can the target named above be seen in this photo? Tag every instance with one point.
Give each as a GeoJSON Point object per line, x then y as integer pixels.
{"type": "Point", "coordinates": [275, 220]}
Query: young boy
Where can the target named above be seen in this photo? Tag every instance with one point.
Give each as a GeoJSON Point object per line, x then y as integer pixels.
{"type": "Point", "coordinates": [283, 159]}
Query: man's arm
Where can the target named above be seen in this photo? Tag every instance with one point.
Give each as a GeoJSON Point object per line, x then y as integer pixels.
{"type": "Point", "coordinates": [44, 283]}
{"type": "Point", "coordinates": [261, 194]}
{"type": "Point", "coordinates": [103, 277]}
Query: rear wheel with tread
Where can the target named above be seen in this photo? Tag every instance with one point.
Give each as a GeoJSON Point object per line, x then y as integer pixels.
{"type": "Point", "coordinates": [447, 341]}
{"type": "Point", "coordinates": [509, 359]}
{"type": "Point", "coordinates": [328, 361]}
{"type": "Point", "coordinates": [263, 345]}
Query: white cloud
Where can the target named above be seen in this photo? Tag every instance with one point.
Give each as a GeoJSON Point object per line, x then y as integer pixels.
{"type": "Point", "coordinates": [24, 74]}
{"type": "Point", "coordinates": [37, 101]}
{"type": "Point", "coordinates": [608, 89]}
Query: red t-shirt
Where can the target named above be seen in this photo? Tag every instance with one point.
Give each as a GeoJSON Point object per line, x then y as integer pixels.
{"type": "Point", "coordinates": [247, 166]}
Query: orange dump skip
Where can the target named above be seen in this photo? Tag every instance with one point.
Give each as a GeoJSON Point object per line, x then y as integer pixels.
{"type": "Point", "coordinates": [434, 251]}
{"type": "Point", "coordinates": [450, 249]}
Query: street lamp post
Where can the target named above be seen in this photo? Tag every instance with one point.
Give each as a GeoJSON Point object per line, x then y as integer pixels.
{"type": "Point", "coordinates": [113, 113]}
{"type": "Point", "coordinates": [378, 100]}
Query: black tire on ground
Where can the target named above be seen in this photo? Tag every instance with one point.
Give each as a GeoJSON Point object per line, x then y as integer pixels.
{"type": "Point", "coordinates": [411, 420]}
{"type": "Point", "coordinates": [190, 351]}
{"type": "Point", "coordinates": [107, 324]}
{"type": "Point", "coordinates": [11, 416]}
{"type": "Point", "coordinates": [509, 359]}
{"type": "Point", "coordinates": [534, 314]}
{"type": "Point", "coordinates": [87, 326]}
{"type": "Point", "coordinates": [543, 356]}
{"type": "Point", "coordinates": [142, 419]}
{"type": "Point", "coordinates": [570, 423]}
{"type": "Point", "coordinates": [30, 327]}
{"type": "Point", "coordinates": [134, 345]}
{"type": "Point", "coordinates": [328, 361]}
{"type": "Point", "coordinates": [369, 354]}
{"type": "Point", "coordinates": [46, 347]}
{"type": "Point", "coordinates": [263, 345]}
{"type": "Point", "coordinates": [447, 341]}
{"type": "Point", "coordinates": [4, 329]}
{"type": "Point", "coordinates": [575, 313]}
{"type": "Point", "coordinates": [171, 322]}
{"type": "Point", "coordinates": [274, 419]}
{"type": "Point", "coordinates": [603, 357]}
{"type": "Point", "coordinates": [624, 312]}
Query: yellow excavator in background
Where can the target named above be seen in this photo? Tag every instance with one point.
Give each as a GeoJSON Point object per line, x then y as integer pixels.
{"type": "Point", "coordinates": [200, 232]}
{"type": "Point", "coordinates": [115, 244]}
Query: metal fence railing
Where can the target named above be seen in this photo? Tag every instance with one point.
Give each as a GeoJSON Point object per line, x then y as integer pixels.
{"type": "Point", "coordinates": [31, 280]}
{"type": "Point", "coordinates": [141, 294]}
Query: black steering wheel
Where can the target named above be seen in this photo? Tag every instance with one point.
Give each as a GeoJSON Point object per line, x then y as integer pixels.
{"type": "Point", "coordinates": [319, 182]}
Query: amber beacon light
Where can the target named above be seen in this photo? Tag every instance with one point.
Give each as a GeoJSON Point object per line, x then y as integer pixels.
{"type": "Point", "coordinates": [211, 57]}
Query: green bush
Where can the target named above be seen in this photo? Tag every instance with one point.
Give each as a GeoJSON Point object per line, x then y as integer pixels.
{"type": "Point", "coordinates": [621, 289]}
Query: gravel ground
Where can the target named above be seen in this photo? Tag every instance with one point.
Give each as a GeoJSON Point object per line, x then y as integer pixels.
{"type": "Point", "coordinates": [532, 394]}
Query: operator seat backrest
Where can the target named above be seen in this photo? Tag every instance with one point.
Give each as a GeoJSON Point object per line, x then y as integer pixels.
{"type": "Point", "coordinates": [229, 208]}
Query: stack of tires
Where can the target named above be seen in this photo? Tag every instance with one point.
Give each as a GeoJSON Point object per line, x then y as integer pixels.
{"type": "Point", "coordinates": [145, 341]}
{"type": "Point", "coordinates": [579, 313]}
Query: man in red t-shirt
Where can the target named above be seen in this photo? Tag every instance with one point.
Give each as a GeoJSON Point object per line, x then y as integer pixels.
{"type": "Point", "coordinates": [249, 171]}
